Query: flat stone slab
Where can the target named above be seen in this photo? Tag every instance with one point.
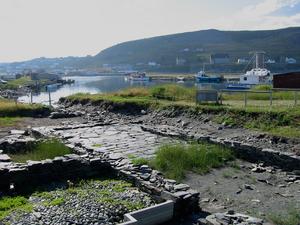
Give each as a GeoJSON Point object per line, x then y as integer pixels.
{"type": "Point", "coordinates": [4, 158]}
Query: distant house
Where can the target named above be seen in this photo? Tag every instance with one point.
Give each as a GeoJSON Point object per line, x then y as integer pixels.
{"type": "Point", "coordinates": [186, 50]}
{"type": "Point", "coordinates": [180, 61]}
{"type": "Point", "coordinates": [287, 80]}
{"type": "Point", "coordinates": [152, 64]}
{"type": "Point", "coordinates": [219, 59]}
{"type": "Point", "coordinates": [43, 76]}
{"type": "Point", "coordinates": [242, 61]}
{"type": "Point", "coordinates": [290, 60]}
{"type": "Point", "coordinates": [270, 61]}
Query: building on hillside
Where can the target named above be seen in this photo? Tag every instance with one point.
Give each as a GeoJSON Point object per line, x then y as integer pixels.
{"type": "Point", "coordinates": [219, 59]}
{"type": "Point", "coordinates": [152, 64]}
{"type": "Point", "coordinates": [270, 61]}
{"type": "Point", "coordinates": [43, 76]}
{"type": "Point", "coordinates": [242, 61]}
{"type": "Point", "coordinates": [290, 60]}
{"type": "Point", "coordinates": [180, 61]}
{"type": "Point", "coordinates": [287, 80]}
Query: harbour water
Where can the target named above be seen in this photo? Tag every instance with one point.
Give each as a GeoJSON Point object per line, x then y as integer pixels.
{"type": "Point", "coordinates": [101, 84]}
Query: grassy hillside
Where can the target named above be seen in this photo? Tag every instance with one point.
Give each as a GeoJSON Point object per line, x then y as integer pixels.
{"type": "Point", "coordinates": [201, 44]}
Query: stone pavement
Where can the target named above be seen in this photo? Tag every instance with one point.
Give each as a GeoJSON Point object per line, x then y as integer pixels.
{"type": "Point", "coordinates": [126, 139]}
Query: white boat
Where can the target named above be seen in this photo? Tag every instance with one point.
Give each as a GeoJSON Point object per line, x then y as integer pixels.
{"type": "Point", "coordinates": [138, 77]}
{"type": "Point", "coordinates": [257, 75]}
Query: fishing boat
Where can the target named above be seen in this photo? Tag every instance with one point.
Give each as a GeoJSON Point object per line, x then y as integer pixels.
{"type": "Point", "coordinates": [258, 74]}
{"type": "Point", "coordinates": [201, 77]}
{"type": "Point", "coordinates": [138, 77]}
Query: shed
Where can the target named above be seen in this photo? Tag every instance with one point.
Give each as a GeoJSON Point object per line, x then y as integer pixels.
{"type": "Point", "coordinates": [287, 80]}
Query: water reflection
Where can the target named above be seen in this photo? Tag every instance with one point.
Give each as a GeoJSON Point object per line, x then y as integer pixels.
{"type": "Point", "coordinates": [101, 84]}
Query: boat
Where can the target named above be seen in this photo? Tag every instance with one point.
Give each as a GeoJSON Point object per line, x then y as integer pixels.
{"type": "Point", "coordinates": [138, 77]}
{"type": "Point", "coordinates": [180, 79]}
{"type": "Point", "coordinates": [201, 77]}
{"type": "Point", "coordinates": [238, 86]}
{"type": "Point", "coordinates": [259, 74]}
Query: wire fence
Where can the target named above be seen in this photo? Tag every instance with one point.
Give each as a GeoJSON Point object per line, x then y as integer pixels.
{"type": "Point", "coordinates": [251, 98]}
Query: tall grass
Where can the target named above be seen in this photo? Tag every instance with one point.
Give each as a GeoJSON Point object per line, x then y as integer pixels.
{"type": "Point", "coordinates": [173, 92]}
{"type": "Point", "coordinates": [174, 160]}
{"type": "Point", "coordinates": [291, 218]}
{"type": "Point", "coordinates": [9, 108]}
{"type": "Point", "coordinates": [47, 149]}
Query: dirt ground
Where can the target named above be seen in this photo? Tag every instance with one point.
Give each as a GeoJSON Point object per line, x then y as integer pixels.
{"type": "Point", "coordinates": [240, 189]}
{"type": "Point", "coordinates": [27, 122]}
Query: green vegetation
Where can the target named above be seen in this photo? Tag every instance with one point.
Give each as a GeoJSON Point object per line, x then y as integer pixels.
{"type": "Point", "coordinates": [237, 44]}
{"type": "Point", "coordinates": [174, 160]}
{"type": "Point", "coordinates": [14, 84]}
{"type": "Point", "coordinates": [276, 95]}
{"type": "Point", "coordinates": [281, 121]}
{"type": "Point", "coordinates": [47, 149]}
{"type": "Point", "coordinates": [11, 109]}
{"type": "Point", "coordinates": [12, 204]}
{"type": "Point", "coordinates": [9, 121]}
{"type": "Point", "coordinates": [291, 218]}
{"type": "Point", "coordinates": [96, 145]}
{"type": "Point", "coordinates": [57, 202]}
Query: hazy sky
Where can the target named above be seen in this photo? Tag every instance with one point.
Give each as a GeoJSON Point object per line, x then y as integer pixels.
{"type": "Point", "coordinates": [54, 28]}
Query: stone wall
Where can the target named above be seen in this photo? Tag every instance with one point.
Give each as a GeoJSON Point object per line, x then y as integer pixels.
{"type": "Point", "coordinates": [18, 177]}
{"type": "Point", "coordinates": [284, 160]}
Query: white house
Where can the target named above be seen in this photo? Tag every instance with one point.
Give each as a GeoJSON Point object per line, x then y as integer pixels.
{"type": "Point", "coordinates": [270, 61]}
{"type": "Point", "coordinates": [290, 60]}
{"type": "Point", "coordinates": [242, 61]}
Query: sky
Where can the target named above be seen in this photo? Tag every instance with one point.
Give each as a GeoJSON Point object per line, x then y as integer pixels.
{"type": "Point", "coordinates": [59, 28]}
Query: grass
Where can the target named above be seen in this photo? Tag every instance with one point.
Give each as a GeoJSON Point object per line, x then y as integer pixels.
{"type": "Point", "coordinates": [280, 121]}
{"type": "Point", "coordinates": [16, 83]}
{"type": "Point", "coordinates": [47, 149]}
{"type": "Point", "coordinates": [57, 202]}
{"type": "Point", "coordinates": [9, 108]}
{"type": "Point", "coordinates": [97, 145]}
{"type": "Point", "coordinates": [291, 218]}
{"type": "Point", "coordinates": [9, 121]}
{"type": "Point", "coordinates": [174, 160]}
{"type": "Point", "coordinates": [11, 204]}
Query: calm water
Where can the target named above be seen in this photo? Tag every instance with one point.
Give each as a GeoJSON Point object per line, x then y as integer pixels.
{"type": "Point", "coordinates": [100, 84]}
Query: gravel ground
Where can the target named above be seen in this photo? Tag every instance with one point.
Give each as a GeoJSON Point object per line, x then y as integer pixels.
{"type": "Point", "coordinates": [247, 188]}
{"type": "Point", "coordinates": [91, 202]}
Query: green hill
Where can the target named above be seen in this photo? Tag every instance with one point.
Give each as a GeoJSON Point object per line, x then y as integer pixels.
{"type": "Point", "coordinates": [200, 44]}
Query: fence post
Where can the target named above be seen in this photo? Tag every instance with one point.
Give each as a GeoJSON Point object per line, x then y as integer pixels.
{"type": "Point", "coordinates": [221, 101]}
{"type": "Point", "coordinates": [49, 98]}
{"type": "Point", "coordinates": [245, 98]}
{"type": "Point", "coordinates": [271, 98]}
{"type": "Point", "coordinates": [31, 97]}
{"type": "Point", "coordinates": [295, 97]}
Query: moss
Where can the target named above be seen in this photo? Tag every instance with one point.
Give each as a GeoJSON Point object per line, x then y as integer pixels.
{"type": "Point", "coordinates": [14, 204]}
{"type": "Point", "coordinates": [47, 149]}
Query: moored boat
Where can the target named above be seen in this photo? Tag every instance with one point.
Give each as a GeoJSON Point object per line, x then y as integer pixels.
{"type": "Point", "coordinates": [201, 77]}
{"type": "Point", "coordinates": [259, 74]}
{"type": "Point", "coordinates": [138, 77]}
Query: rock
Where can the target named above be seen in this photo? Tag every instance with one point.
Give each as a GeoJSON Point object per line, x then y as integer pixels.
{"type": "Point", "coordinates": [248, 186]}
{"type": "Point", "coordinates": [37, 215]}
{"type": "Point", "coordinates": [18, 132]}
{"type": "Point", "coordinates": [181, 187]}
{"type": "Point", "coordinates": [205, 200]}
{"type": "Point", "coordinates": [252, 220]}
{"type": "Point", "coordinates": [239, 191]}
{"type": "Point", "coordinates": [4, 158]}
